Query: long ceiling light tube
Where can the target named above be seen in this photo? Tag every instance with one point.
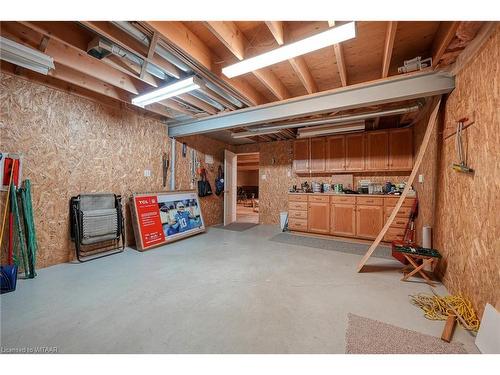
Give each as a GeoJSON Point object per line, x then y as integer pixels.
{"type": "Point", "coordinates": [24, 56]}
{"type": "Point", "coordinates": [165, 92]}
{"type": "Point", "coordinates": [341, 119]}
{"type": "Point", "coordinates": [321, 40]}
{"type": "Point", "coordinates": [347, 128]}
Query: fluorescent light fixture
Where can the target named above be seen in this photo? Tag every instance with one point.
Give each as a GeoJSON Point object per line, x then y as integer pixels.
{"type": "Point", "coordinates": [253, 133]}
{"type": "Point", "coordinates": [26, 57]}
{"type": "Point", "coordinates": [329, 129]}
{"type": "Point", "coordinates": [321, 40]}
{"type": "Point", "coordinates": [165, 92]}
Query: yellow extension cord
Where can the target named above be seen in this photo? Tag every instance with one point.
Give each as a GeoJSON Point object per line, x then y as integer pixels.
{"type": "Point", "coordinates": [437, 308]}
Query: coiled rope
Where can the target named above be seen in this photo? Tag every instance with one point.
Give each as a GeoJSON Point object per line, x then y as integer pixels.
{"type": "Point", "coordinates": [438, 308]}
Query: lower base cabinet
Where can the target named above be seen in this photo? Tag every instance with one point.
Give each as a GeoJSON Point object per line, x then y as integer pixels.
{"type": "Point", "coordinates": [343, 220]}
{"type": "Point", "coordinates": [347, 216]}
{"type": "Point", "coordinates": [369, 221]}
{"type": "Point", "coordinates": [319, 217]}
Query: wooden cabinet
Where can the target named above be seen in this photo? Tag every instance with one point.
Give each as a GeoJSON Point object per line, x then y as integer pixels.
{"type": "Point", "coordinates": [335, 153]}
{"type": "Point", "coordinates": [361, 216]}
{"type": "Point", "coordinates": [369, 221]}
{"type": "Point", "coordinates": [355, 152]}
{"type": "Point", "coordinates": [377, 151]}
{"type": "Point", "coordinates": [380, 150]}
{"type": "Point", "coordinates": [297, 212]}
{"type": "Point", "coordinates": [318, 155]}
{"type": "Point", "coordinates": [301, 156]}
{"type": "Point", "coordinates": [318, 217]}
{"type": "Point", "coordinates": [401, 149]}
{"type": "Point", "coordinates": [343, 219]}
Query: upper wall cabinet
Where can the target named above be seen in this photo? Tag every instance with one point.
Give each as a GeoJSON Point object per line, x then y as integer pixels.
{"type": "Point", "coordinates": [335, 153]}
{"type": "Point", "coordinates": [401, 149]}
{"type": "Point", "coordinates": [380, 150]}
{"type": "Point", "coordinates": [377, 151]}
{"type": "Point", "coordinates": [355, 152]}
{"type": "Point", "coordinates": [301, 156]}
{"type": "Point", "coordinates": [318, 148]}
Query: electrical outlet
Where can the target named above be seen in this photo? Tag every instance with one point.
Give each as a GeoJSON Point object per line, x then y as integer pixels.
{"type": "Point", "coordinates": [421, 178]}
{"type": "Point", "coordinates": [147, 173]}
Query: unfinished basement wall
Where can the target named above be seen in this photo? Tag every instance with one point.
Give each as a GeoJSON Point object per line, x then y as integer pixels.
{"type": "Point", "coordinates": [71, 145]}
{"type": "Point", "coordinates": [467, 222]}
{"type": "Point", "coordinates": [206, 149]}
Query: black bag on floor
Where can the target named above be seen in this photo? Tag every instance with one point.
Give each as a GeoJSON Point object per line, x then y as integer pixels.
{"type": "Point", "coordinates": [204, 188]}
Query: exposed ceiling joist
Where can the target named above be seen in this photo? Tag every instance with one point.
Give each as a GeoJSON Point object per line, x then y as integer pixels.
{"type": "Point", "coordinates": [179, 35]}
{"type": "Point", "coordinates": [172, 104]}
{"type": "Point", "coordinates": [277, 29]}
{"type": "Point", "coordinates": [298, 63]}
{"type": "Point", "coordinates": [444, 36]}
{"type": "Point", "coordinates": [236, 42]}
{"type": "Point", "coordinates": [273, 83]}
{"type": "Point", "coordinates": [389, 90]}
{"type": "Point", "coordinates": [74, 58]}
{"type": "Point", "coordinates": [126, 41]}
{"type": "Point", "coordinates": [390, 36]}
{"type": "Point", "coordinates": [198, 103]}
{"type": "Point", "coordinates": [339, 58]}
{"type": "Point", "coordinates": [301, 69]}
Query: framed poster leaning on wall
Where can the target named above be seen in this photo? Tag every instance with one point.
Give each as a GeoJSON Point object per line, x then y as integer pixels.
{"type": "Point", "coordinates": [160, 218]}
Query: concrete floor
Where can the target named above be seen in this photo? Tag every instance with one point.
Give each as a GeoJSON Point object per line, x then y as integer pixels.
{"type": "Point", "coordinates": [219, 292]}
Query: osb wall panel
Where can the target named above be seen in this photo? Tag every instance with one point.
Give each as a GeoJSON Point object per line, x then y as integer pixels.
{"type": "Point", "coordinates": [275, 164]}
{"type": "Point", "coordinates": [426, 190]}
{"type": "Point", "coordinates": [70, 146]}
{"type": "Point", "coordinates": [212, 206]}
{"type": "Point", "coordinates": [467, 229]}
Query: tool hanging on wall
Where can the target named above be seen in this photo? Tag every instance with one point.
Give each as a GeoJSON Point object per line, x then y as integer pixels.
{"type": "Point", "coordinates": [164, 167]}
{"type": "Point", "coordinates": [462, 166]}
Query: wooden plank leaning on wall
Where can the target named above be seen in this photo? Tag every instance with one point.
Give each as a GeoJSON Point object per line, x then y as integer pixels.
{"type": "Point", "coordinates": [423, 147]}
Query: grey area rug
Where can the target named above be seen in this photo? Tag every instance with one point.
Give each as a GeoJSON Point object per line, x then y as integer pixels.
{"type": "Point", "coordinates": [237, 227]}
{"type": "Point", "coordinates": [331, 244]}
{"type": "Point", "coordinates": [368, 336]}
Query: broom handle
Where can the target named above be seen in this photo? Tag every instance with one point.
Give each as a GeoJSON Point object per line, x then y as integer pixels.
{"type": "Point", "coordinates": [7, 201]}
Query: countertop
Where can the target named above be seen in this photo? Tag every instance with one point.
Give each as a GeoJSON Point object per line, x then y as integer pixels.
{"type": "Point", "coordinates": [352, 195]}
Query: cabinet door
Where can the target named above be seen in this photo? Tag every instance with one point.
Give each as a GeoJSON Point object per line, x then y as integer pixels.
{"type": "Point", "coordinates": [318, 217]}
{"type": "Point", "coordinates": [377, 151]}
{"type": "Point", "coordinates": [335, 153]}
{"type": "Point", "coordinates": [301, 156]}
{"type": "Point", "coordinates": [355, 152]}
{"type": "Point", "coordinates": [369, 221]}
{"type": "Point", "coordinates": [318, 148]}
{"type": "Point", "coordinates": [401, 149]}
{"type": "Point", "coordinates": [343, 219]}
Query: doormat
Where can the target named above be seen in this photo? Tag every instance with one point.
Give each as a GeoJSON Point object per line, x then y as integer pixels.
{"type": "Point", "coordinates": [237, 227]}
{"type": "Point", "coordinates": [332, 244]}
{"type": "Point", "coordinates": [368, 336]}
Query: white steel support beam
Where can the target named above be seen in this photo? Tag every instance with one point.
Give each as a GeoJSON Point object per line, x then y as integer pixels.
{"type": "Point", "coordinates": [383, 91]}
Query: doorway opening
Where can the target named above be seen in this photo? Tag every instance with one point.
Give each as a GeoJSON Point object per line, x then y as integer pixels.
{"type": "Point", "coordinates": [247, 193]}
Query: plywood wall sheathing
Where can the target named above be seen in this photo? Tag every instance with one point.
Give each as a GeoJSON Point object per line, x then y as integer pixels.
{"type": "Point", "coordinates": [73, 145]}
{"type": "Point", "coordinates": [467, 224]}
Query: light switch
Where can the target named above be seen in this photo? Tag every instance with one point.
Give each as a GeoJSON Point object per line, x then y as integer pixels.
{"type": "Point", "coordinates": [288, 174]}
{"type": "Point", "coordinates": [421, 178]}
{"type": "Point", "coordinates": [147, 173]}
{"type": "Point", "coordinates": [264, 177]}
